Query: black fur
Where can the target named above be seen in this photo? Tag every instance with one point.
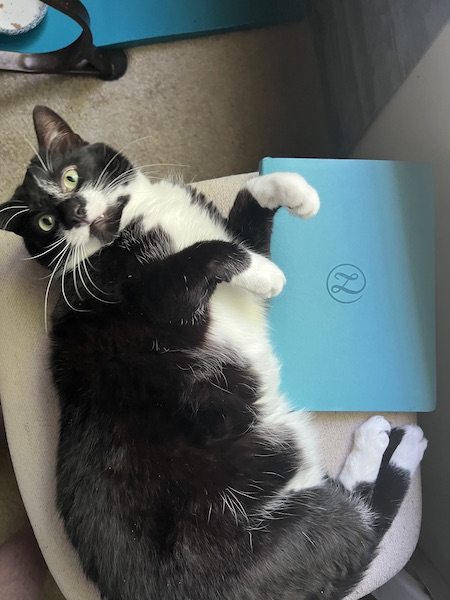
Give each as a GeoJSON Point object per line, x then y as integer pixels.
{"type": "Point", "coordinates": [251, 222]}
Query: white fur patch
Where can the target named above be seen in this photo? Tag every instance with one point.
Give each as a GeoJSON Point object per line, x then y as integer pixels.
{"type": "Point", "coordinates": [50, 187]}
{"type": "Point", "coordinates": [97, 202]}
{"type": "Point", "coordinates": [409, 452]}
{"type": "Point", "coordinates": [78, 236]}
{"type": "Point", "coordinates": [290, 190]}
{"type": "Point", "coordinates": [363, 463]}
{"type": "Point", "coordinates": [262, 277]}
{"type": "Point", "coordinates": [170, 207]}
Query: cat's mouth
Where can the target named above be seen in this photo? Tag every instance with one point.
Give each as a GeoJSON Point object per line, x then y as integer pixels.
{"type": "Point", "coordinates": [98, 225]}
{"type": "Point", "coordinates": [105, 227]}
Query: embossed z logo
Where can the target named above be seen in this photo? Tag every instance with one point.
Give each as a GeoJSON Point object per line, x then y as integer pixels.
{"type": "Point", "coordinates": [346, 283]}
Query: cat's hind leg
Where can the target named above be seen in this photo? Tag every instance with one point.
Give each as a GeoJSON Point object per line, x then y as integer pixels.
{"type": "Point", "coordinates": [402, 457]}
{"type": "Point", "coordinates": [363, 463]}
{"type": "Point", "coordinates": [380, 467]}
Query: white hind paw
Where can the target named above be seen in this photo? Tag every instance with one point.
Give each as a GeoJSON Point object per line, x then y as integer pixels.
{"type": "Point", "coordinates": [410, 451]}
{"type": "Point", "coordinates": [373, 434]}
{"type": "Point", "coordinates": [285, 189]}
{"type": "Point", "coordinates": [363, 463]}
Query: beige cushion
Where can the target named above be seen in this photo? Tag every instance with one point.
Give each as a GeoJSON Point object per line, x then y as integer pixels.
{"type": "Point", "coordinates": [31, 420]}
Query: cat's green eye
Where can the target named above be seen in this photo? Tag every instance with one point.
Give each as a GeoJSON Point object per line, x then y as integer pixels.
{"type": "Point", "coordinates": [69, 179]}
{"type": "Point", "coordinates": [47, 223]}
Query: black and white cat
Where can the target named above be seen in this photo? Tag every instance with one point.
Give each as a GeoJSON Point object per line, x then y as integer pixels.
{"type": "Point", "coordinates": [182, 474]}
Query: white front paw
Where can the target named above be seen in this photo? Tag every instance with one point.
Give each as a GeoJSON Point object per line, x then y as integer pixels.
{"type": "Point", "coordinates": [285, 189]}
{"type": "Point", "coordinates": [262, 277]}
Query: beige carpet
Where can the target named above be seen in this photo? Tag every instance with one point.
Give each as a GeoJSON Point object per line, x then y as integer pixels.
{"type": "Point", "coordinates": [214, 106]}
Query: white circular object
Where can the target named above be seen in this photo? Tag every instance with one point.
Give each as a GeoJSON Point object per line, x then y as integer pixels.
{"type": "Point", "coordinates": [19, 16]}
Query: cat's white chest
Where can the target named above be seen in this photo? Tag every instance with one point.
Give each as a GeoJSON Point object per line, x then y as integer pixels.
{"type": "Point", "coordinates": [170, 207]}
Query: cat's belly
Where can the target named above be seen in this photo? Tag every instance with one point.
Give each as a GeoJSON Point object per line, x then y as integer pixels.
{"type": "Point", "coordinates": [238, 320]}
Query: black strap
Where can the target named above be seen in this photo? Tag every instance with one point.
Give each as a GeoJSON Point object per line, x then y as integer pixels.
{"type": "Point", "coordinates": [80, 57]}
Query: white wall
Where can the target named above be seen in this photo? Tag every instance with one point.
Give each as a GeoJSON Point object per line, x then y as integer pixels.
{"type": "Point", "coordinates": [415, 125]}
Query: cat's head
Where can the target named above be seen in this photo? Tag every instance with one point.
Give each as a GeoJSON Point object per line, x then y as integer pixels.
{"type": "Point", "coordinates": [71, 200]}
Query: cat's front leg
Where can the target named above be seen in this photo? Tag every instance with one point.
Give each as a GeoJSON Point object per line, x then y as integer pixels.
{"type": "Point", "coordinates": [251, 216]}
{"type": "Point", "coordinates": [289, 190]}
{"type": "Point", "coordinates": [262, 277]}
{"type": "Point", "coordinates": [181, 284]}
{"type": "Point", "coordinates": [217, 262]}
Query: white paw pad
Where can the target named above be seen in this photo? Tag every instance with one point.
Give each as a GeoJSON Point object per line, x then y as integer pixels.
{"type": "Point", "coordinates": [290, 190]}
{"type": "Point", "coordinates": [262, 277]}
{"type": "Point", "coordinates": [363, 463]}
{"type": "Point", "coordinates": [409, 452]}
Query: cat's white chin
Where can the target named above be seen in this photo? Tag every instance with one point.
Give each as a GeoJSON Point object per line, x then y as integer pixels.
{"type": "Point", "coordinates": [79, 236]}
{"type": "Point", "coordinates": [82, 243]}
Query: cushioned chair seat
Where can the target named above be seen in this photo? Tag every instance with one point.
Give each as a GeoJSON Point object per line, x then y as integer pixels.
{"type": "Point", "coordinates": [31, 421]}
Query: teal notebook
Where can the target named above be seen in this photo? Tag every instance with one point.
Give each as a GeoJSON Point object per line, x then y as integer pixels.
{"type": "Point", "coordinates": [118, 23]}
{"type": "Point", "coordinates": [354, 327]}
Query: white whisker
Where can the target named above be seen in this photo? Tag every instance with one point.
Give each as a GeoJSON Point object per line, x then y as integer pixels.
{"type": "Point", "coordinates": [84, 258]}
{"type": "Point", "coordinates": [74, 273]}
{"type": "Point", "coordinates": [122, 179]}
{"type": "Point", "coordinates": [63, 289]}
{"type": "Point", "coordinates": [49, 249]}
{"type": "Point", "coordinates": [227, 503]}
{"type": "Point", "coordinates": [36, 152]}
{"type": "Point", "coordinates": [158, 165]}
{"type": "Point", "coordinates": [21, 212]}
{"type": "Point", "coordinates": [238, 504]}
{"type": "Point", "coordinates": [91, 293]}
{"type": "Point", "coordinates": [47, 291]}
{"type": "Point", "coordinates": [117, 154]}
{"type": "Point", "coordinates": [129, 174]}
{"type": "Point", "coordinates": [89, 263]}
{"type": "Point", "coordinates": [59, 254]}
{"type": "Point", "coordinates": [246, 494]}
{"type": "Point", "coordinates": [308, 538]}
{"type": "Point", "coordinates": [12, 208]}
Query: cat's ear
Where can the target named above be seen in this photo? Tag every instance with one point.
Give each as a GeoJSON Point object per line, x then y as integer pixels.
{"type": "Point", "coordinates": [53, 133]}
{"type": "Point", "coordinates": [11, 215]}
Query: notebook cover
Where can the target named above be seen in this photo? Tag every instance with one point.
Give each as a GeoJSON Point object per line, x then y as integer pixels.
{"type": "Point", "coordinates": [354, 327]}
{"type": "Point", "coordinates": [118, 23]}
